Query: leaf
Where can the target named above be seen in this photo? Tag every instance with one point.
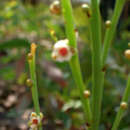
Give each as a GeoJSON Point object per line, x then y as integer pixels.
{"type": "Point", "coordinates": [14, 43]}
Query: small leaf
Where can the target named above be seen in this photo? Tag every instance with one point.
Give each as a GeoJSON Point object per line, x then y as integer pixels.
{"type": "Point", "coordinates": [14, 43]}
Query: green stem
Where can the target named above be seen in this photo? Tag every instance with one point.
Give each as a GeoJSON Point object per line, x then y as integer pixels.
{"type": "Point", "coordinates": [97, 74]}
{"type": "Point", "coordinates": [74, 63]}
{"type": "Point", "coordinates": [34, 90]}
{"type": "Point", "coordinates": [76, 72]}
{"type": "Point", "coordinates": [34, 87]}
{"type": "Point", "coordinates": [121, 111]}
{"type": "Point", "coordinates": [69, 21]}
{"type": "Point", "coordinates": [110, 31]}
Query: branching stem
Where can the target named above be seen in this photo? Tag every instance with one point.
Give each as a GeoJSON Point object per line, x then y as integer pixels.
{"type": "Point", "coordinates": [110, 31]}
{"type": "Point", "coordinates": [121, 110]}
{"type": "Point", "coordinates": [74, 63]}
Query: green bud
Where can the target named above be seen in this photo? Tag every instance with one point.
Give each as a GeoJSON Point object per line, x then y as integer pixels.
{"type": "Point", "coordinates": [30, 56]}
{"type": "Point", "coordinates": [86, 9]}
{"type": "Point", "coordinates": [108, 24]}
{"type": "Point", "coordinates": [87, 93]}
{"type": "Point", "coordinates": [29, 82]}
{"type": "Point", "coordinates": [124, 105]}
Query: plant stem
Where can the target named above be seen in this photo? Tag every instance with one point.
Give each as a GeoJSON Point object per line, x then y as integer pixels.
{"type": "Point", "coordinates": [76, 72]}
{"type": "Point", "coordinates": [74, 63]}
{"type": "Point", "coordinates": [110, 32]}
{"type": "Point", "coordinates": [121, 111]}
{"type": "Point", "coordinates": [32, 67]}
{"type": "Point", "coordinates": [69, 21]}
{"type": "Point", "coordinates": [34, 87]}
{"type": "Point", "coordinates": [97, 74]}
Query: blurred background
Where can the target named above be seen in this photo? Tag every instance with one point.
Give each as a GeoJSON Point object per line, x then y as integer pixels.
{"type": "Point", "coordinates": [26, 21]}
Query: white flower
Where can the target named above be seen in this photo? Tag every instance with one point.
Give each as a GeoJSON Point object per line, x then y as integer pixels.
{"type": "Point", "coordinates": [62, 51]}
{"type": "Point", "coordinates": [35, 120]}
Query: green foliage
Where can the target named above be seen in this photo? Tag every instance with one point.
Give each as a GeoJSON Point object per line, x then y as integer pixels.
{"type": "Point", "coordinates": [21, 24]}
{"type": "Point", "coordinates": [14, 43]}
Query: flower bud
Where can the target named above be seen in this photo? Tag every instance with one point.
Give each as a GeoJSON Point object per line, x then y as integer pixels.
{"type": "Point", "coordinates": [29, 83]}
{"type": "Point", "coordinates": [73, 50]}
{"type": "Point", "coordinates": [55, 7]}
{"type": "Point", "coordinates": [108, 24]}
{"type": "Point", "coordinates": [30, 56]}
{"type": "Point", "coordinates": [54, 57]}
{"type": "Point", "coordinates": [123, 105]}
{"type": "Point", "coordinates": [129, 44]}
{"type": "Point", "coordinates": [76, 33]}
{"type": "Point", "coordinates": [86, 9]}
{"type": "Point", "coordinates": [53, 35]}
{"type": "Point", "coordinates": [87, 93]}
{"type": "Point", "coordinates": [127, 54]}
{"type": "Point", "coordinates": [41, 115]}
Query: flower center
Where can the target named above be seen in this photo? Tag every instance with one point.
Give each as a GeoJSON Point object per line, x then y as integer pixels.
{"type": "Point", "coordinates": [35, 121]}
{"type": "Point", "coordinates": [63, 51]}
